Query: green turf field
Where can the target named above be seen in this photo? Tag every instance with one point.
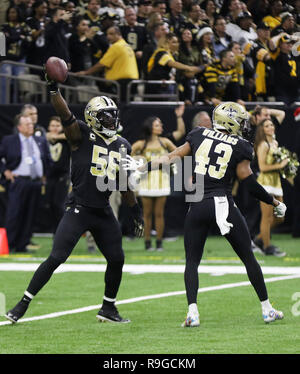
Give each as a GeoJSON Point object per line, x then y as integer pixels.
{"type": "Point", "coordinates": [231, 321]}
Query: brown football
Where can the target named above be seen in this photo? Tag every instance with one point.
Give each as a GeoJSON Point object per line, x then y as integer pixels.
{"type": "Point", "coordinates": [56, 69]}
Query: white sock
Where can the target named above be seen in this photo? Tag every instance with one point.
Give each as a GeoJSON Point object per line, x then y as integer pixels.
{"type": "Point", "coordinates": [193, 309]}
{"type": "Point", "coordinates": [266, 306]}
{"type": "Point", "coordinates": [26, 293]}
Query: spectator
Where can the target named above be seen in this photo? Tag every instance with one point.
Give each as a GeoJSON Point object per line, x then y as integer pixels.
{"type": "Point", "coordinates": [221, 80]}
{"type": "Point", "coordinates": [203, 119]}
{"type": "Point", "coordinates": [25, 7]}
{"type": "Point", "coordinates": [265, 145]}
{"type": "Point", "coordinates": [144, 9]}
{"type": "Point", "coordinates": [56, 33]}
{"type": "Point", "coordinates": [210, 9]}
{"type": "Point", "coordinates": [180, 131]}
{"type": "Point", "coordinates": [231, 9]}
{"type": "Point", "coordinates": [108, 20]}
{"type": "Point", "coordinates": [69, 6]}
{"type": "Point", "coordinates": [37, 23]}
{"type": "Point", "coordinates": [52, 6]}
{"type": "Point", "coordinates": [18, 39]}
{"type": "Point", "coordinates": [187, 81]}
{"type": "Point", "coordinates": [244, 70]}
{"type": "Point", "coordinates": [155, 188]}
{"type": "Point", "coordinates": [261, 113]}
{"type": "Point", "coordinates": [153, 19]}
{"type": "Point", "coordinates": [221, 39]}
{"type": "Point", "coordinates": [25, 159]}
{"type": "Point", "coordinates": [242, 30]}
{"type": "Point", "coordinates": [259, 9]}
{"type": "Point", "coordinates": [246, 33]}
{"type": "Point", "coordinates": [100, 39]}
{"type": "Point", "coordinates": [288, 25]}
{"type": "Point", "coordinates": [114, 7]}
{"type": "Point", "coordinates": [81, 45]}
{"type": "Point", "coordinates": [160, 6]}
{"type": "Point", "coordinates": [176, 19]}
{"type": "Point", "coordinates": [287, 72]}
{"type": "Point", "coordinates": [162, 62]}
{"type": "Point", "coordinates": [32, 111]}
{"type": "Point", "coordinates": [159, 30]}
{"type": "Point", "coordinates": [260, 52]}
{"type": "Point", "coordinates": [119, 62]}
{"type": "Point", "coordinates": [194, 22]}
{"type": "Point", "coordinates": [205, 44]}
{"type": "Point", "coordinates": [92, 14]}
{"type": "Point", "coordinates": [58, 178]}
{"type": "Point", "coordinates": [134, 34]}
{"type": "Point", "coordinates": [273, 19]}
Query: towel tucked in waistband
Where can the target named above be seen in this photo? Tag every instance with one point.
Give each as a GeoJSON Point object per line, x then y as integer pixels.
{"type": "Point", "coordinates": [222, 211]}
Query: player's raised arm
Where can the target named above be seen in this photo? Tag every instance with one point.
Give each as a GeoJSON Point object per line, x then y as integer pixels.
{"type": "Point", "coordinates": [69, 122]}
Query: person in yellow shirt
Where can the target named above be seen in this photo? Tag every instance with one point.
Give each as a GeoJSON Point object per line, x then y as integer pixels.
{"type": "Point", "coordinates": [119, 61]}
{"type": "Point", "coordinates": [273, 19]}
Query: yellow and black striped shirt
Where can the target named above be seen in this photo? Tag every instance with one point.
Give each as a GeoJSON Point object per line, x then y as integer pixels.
{"type": "Point", "coordinates": [217, 79]}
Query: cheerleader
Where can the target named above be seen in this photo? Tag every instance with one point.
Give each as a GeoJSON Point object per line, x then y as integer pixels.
{"type": "Point", "coordinates": [155, 187]}
{"type": "Point", "coordinates": [269, 177]}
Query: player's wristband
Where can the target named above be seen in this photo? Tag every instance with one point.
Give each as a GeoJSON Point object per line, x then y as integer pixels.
{"type": "Point", "coordinates": [69, 121]}
{"type": "Point", "coordinates": [52, 88]}
{"type": "Point", "coordinates": [257, 190]}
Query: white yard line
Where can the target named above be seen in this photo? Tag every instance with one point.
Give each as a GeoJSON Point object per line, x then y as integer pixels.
{"type": "Point", "coordinates": [148, 297]}
{"type": "Point", "coordinates": [141, 269]}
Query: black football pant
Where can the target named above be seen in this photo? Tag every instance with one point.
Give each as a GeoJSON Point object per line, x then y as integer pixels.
{"type": "Point", "coordinates": [198, 221]}
{"type": "Point", "coordinates": [108, 237]}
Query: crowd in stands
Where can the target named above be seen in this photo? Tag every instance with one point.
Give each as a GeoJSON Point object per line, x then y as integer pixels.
{"type": "Point", "coordinates": [215, 50]}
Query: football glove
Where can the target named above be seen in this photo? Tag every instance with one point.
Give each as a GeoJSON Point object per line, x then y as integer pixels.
{"type": "Point", "coordinates": [52, 86]}
{"type": "Point", "coordinates": [137, 220]}
{"type": "Point", "coordinates": [129, 163]}
{"type": "Point", "coordinates": [279, 210]}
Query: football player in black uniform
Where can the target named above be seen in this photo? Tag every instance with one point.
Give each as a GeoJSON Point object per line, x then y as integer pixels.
{"type": "Point", "coordinates": [218, 156]}
{"type": "Point", "coordinates": [96, 154]}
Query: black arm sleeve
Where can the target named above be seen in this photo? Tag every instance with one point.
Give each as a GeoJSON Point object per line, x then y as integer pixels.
{"type": "Point", "coordinates": [257, 190]}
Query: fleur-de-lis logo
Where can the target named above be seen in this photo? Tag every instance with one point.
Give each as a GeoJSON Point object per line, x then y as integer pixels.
{"type": "Point", "coordinates": [231, 111]}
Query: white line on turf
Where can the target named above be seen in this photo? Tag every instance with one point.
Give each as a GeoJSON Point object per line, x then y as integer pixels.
{"type": "Point", "coordinates": [141, 269]}
{"type": "Point", "coordinates": [148, 297]}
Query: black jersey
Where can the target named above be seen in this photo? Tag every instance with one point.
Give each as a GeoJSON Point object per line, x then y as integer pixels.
{"type": "Point", "coordinates": [215, 155]}
{"type": "Point", "coordinates": [96, 164]}
{"type": "Point", "coordinates": [135, 36]}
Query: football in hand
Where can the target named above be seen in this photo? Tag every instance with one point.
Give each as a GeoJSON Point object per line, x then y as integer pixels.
{"type": "Point", "coordinates": [56, 69]}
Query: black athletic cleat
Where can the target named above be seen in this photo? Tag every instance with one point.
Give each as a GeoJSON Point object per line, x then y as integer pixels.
{"type": "Point", "coordinates": [17, 312]}
{"type": "Point", "coordinates": [110, 315]}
